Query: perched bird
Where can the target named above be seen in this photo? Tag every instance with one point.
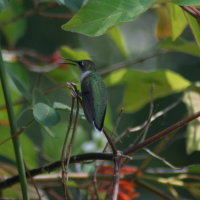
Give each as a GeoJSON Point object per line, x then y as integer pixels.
{"type": "Point", "coordinates": [93, 91]}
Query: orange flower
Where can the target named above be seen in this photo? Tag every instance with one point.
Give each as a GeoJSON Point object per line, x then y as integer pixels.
{"type": "Point", "coordinates": [126, 188]}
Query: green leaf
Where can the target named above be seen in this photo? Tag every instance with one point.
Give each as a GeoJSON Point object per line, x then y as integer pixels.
{"type": "Point", "coordinates": [180, 45]}
{"type": "Point", "coordinates": [96, 17]}
{"type": "Point", "coordinates": [74, 5]}
{"type": "Point", "coordinates": [62, 106]}
{"type": "Point", "coordinates": [192, 101]}
{"type": "Point", "coordinates": [45, 115]}
{"type": "Point", "coordinates": [186, 2]}
{"type": "Point", "coordinates": [194, 27]}
{"type": "Point", "coordinates": [13, 31]}
{"type": "Point", "coordinates": [76, 54]}
{"type": "Point", "coordinates": [139, 84]}
{"type": "Point", "coordinates": [20, 78]}
{"type": "Point", "coordinates": [116, 35]}
{"type": "Point", "coordinates": [178, 20]}
{"type": "Point", "coordinates": [3, 4]}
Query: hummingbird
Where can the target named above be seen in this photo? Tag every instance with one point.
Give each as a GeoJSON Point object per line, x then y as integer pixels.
{"type": "Point", "coordinates": [93, 92]}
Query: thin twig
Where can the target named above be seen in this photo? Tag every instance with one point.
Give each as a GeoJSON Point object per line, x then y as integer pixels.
{"type": "Point", "coordinates": [154, 117]}
{"type": "Point", "coordinates": [192, 11]}
{"type": "Point", "coordinates": [153, 189]}
{"type": "Point", "coordinates": [65, 154]}
{"type": "Point", "coordinates": [116, 177]}
{"type": "Point", "coordinates": [110, 141]}
{"type": "Point", "coordinates": [33, 182]}
{"type": "Point", "coordinates": [131, 62]}
{"type": "Point", "coordinates": [70, 148]}
{"type": "Point", "coordinates": [141, 137]}
{"type": "Point", "coordinates": [21, 130]}
{"type": "Point", "coordinates": [161, 134]}
{"type": "Point", "coordinates": [161, 159]}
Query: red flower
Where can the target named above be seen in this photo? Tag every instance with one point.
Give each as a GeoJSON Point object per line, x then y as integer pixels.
{"type": "Point", "coordinates": [56, 59]}
{"type": "Point", "coordinates": [126, 188]}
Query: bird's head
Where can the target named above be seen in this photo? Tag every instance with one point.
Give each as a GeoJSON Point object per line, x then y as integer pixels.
{"type": "Point", "coordinates": [84, 65]}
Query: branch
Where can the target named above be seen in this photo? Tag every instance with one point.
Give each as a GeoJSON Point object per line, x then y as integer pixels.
{"type": "Point", "coordinates": [37, 11]}
{"type": "Point", "coordinates": [131, 62]}
{"type": "Point", "coordinates": [161, 134]}
{"type": "Point", "coordinates": [55, 165]}
{"type": "Point", "coordinates": [192, 11]}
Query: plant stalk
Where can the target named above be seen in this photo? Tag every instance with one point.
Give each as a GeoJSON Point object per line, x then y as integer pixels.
{"type": "Point", "coordinates": [13, 130]}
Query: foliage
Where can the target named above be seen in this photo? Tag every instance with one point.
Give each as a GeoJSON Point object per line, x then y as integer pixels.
{"type": "Point", "coordinates": [152, 82]}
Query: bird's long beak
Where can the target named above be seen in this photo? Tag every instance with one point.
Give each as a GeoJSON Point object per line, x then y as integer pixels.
{"type": "Point", "coordinates": [73, 62]}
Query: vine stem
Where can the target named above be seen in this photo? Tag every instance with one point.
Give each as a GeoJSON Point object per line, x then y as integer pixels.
{"type": "Point", "coordinates": [13, 131]}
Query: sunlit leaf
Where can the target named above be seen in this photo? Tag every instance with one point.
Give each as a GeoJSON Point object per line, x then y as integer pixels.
{"type": "Point", "coordinates": [178, 20]}
{"type": "Point", "coordinates": [194, 27]}
{"type": "Point", "coordinates": [45, 115]}
{"type": "Point", "coordinates": [96, 17]}
{"type": "Point", "coordinates": [180, 45]}
{"type": "Point", "coordinates": [138, 86]}
{"type": "Point", "coordinates": [75, 54]}
{"type": "Point", "coordinates": [163, 26]}
{"type": "Point", "coordinates": [192, 101]}
{"type": "Point", "coordinates": [116, 35]}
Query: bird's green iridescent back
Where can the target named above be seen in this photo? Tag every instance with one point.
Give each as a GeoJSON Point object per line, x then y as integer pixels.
{"type": "Point", "coordinates": [94, 98]}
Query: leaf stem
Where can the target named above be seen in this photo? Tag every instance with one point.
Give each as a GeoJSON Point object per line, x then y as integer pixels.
{"type": "Point", "coordinates": [13, 130]}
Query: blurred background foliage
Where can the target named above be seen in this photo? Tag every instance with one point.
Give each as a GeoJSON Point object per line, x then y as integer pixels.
{"type": "Point", "coordinates": [158, 47]}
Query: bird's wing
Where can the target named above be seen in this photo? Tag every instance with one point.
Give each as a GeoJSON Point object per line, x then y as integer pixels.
{"type": "Point", "coordinates": [94, 99]}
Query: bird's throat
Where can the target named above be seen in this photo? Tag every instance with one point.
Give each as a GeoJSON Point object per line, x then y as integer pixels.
{"type": "Point", "coordinates": [85, 74]}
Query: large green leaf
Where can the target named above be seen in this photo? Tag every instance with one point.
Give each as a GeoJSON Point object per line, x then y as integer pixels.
{"type": "Point", "coordinates": [96, 17]}
{"type": "Point", "coordinates": [3, 4]}
{"type": "Point", "coordinates": [180, 45]}
{"type": "Point", "coordinates": [186, 2]}
{"type": "Point", "coordinates": [45, 115]}
{"type": "Point", "coordinates": [178, 20]}
{"type": "Point", "coordinates": [116, 35]}
{"type": "Point", "coordinates": [74, 5]}
{"type": "Point", "coordinates": [194, 27]}
{"type": "Point", "coordinates": [192, 101]}
{"type": "Point", "coordinates": [138, 85]}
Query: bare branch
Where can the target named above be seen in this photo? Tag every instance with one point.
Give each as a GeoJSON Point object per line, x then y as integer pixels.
{"type": "Point", "coordinates": [161, 134]}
